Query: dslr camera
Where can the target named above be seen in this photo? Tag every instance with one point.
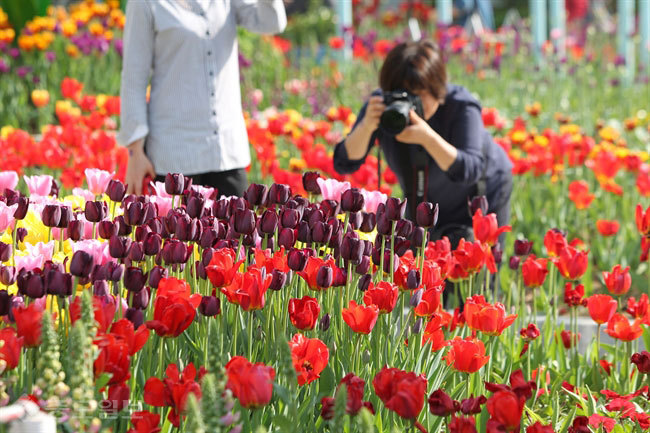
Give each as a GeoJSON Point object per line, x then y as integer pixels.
{"type": "Point", "coordinates": [398, 105]}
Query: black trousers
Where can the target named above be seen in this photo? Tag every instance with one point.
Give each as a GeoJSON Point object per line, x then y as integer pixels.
{"type": "Point", "coordinates": [230, 182]}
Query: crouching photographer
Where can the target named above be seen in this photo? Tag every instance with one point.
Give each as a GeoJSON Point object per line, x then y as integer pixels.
{"type": "Point", "coordinates": [432, 136]}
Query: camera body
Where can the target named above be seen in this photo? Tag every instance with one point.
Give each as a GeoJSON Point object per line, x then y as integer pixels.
{"type": "Point", "coordinates": [398, 105]}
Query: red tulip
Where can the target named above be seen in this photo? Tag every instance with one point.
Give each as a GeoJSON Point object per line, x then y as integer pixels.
{"type": "Point", "coordinates": [360, 318]}
{"type": "Point", "coordinates": [171, 316]}
{"type": "Point", "coordinates": [579, 194]}
{"type": "Point", "coordinates": [29, 321]}
{"type": "Point", "coordinates": [554, 241]}
{"type": "Point", "coordinates": [466, 355]}
{"type": "Point", "coordinates": [574, 296]}
{"type": "Point", "coordinates": [145, 422]}
{"type": "Point", "coordinates": [601, 308]}
{"type": "Point", "coordinates": [529, 333]}
{"type": "Point", "coordinates": [642, 361]}
{"type": "Point", "coordinates": [461, 424]}
{"type": "Point", "coordinates": [572, 263]}
{"type": "Point", "coordinates": [506, 409]}
{"type": "Point", "coordinates": [538, 427]}
{"type": "Point", "coordinates": [304, 312]}
{"type": "Point", "coordinates": [607, 228]}
{"type": "Point", "coordinates": [569, 339]}
{"type": "Point", "coordinates": [222, 267]}
{"type": "Point", "coordinates": [441, 404]}
{"type": "Point", "coordinates": [384, 295]}
{"type": "Point", "coordinates": [251, 384]}
{"type": "Point", "coordinates": [248, 289]}
{"type": "Point", "coordinates": [309, 356]}
{"type": "Point", "coordinates": [402, 392]}
{"type": "Point", "coordinates": [486, 228]}
{"type": "Point", "coordinates": [354, 386]}
{"type": "Point", "coordinates": [10, 348]}
{"type": "Point", "coordinates": [487, 318]}
{"type": "Point", "coordinates": [134, 340]}
{"type": "Point", "coordinates": [173, 391]}
{"type": "Point", "coordinates": [641, 309]}
{"type": "Point", "coordinates": [618, 281]}
{"type": "Point", "coordinates": [596, 421]}
{"type": "Point", "coordinates": [434, 334]}
{"type": "Point", "coordinates": [534, 271]}
{"type": "Point", "coordinates": [430, 303]}
{"type": "Point", "coordinates": [618, 327]}
{"type": "Point", "coordinates": [310, 273]}
{"type": "Point", "coordinates": [118, 398]}
{"type": "Point", "coordinates": [643, 220]}
{"type": "Point", "coordinates": [606, 366]}
{"type": "Point", "coordinates": [113, 359]}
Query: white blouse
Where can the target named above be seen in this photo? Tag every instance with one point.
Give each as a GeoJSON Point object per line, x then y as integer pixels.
{"type": "Point", "coordinates": [193, 122]}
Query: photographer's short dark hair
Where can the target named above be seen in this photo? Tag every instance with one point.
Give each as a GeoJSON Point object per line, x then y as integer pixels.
{"type": "Point", "coordinates": [415, 66]}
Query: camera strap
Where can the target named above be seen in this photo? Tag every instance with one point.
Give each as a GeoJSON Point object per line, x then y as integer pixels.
{"type": "Point", "coordinates": [481, 185]}
{"type": "Point", "coordinates": [420, 182]}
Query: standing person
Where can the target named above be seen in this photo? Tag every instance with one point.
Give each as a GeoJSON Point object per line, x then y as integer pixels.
{"type": "Point", "coordinates": [193, 123]}
{"type": "Point", "coordinates": [446, 144]}
{"type": "Point", "coordinates": [463, 10]}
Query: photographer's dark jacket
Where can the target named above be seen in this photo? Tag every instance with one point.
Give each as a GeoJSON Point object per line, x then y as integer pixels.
{"type": "Point", "coordinates": [458, 120]}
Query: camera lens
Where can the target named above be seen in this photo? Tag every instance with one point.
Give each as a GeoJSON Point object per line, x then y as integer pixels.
{"type": "Point", "coordinates": [395, 117]}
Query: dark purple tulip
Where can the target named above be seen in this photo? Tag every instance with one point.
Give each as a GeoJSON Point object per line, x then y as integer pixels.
{"type": "Point", "coordinates": [497, 253]}
{"type": "Point", "coordinates": [296, 259]}
{"type": "Point", "coordinates": [304, 232]}
{"type": "Point", "coordinates": [383, 225]}
{"type": "Point", "coordinates": [324, 277]}
{"type": "Point", "coordinates": [364, 266]}
{"type": "Point", "coordinates": [413, 279]}
{"type": "Point", "coordinates": [206, 256]}
{"type": "Point", "coordinates": [278, 280]}
{"type": "Point", "coordinates": [514, 262]}
{"type": "Point", "coordinates": [5, 302]}
{"type": "Point", "coordinates": [188, 229]}
{"type": "Point", "coordinates": [195, 205]}
{"type": "Point", "coordinates": [152, 244]}
{"type": "Point", "coordinates": [54, 191]}
{"type": "Point", "coordinates": [23, 207]}
{"type": "Point", "coordinates": [289, 218]}
{"type": "Point", "coordinates": [310, 183]}
{"type": "Point", "coordinates": [199, 268]}
{"type": "Point", "coordinates": [134, 215]}
{"type": "Point", "coordinates": [95, 211]}
{"type": "Point", "coordinates": [66, 217]}
{"type": "Point", "coordinates": [114, 271]}
{"type": "Point", "coordinates": [174, 183]}
{"type": "Point", "coordinates": [118, 247]}
{"type": "Point", "coordinates": [287, 238]}
{"type": "Point", "coordinates": [523, 247]}
{"type": "Point", "coordinates": [140, 300]}
{"type": "Point", "coordinates": [58, 283]}
{"type": "Point", "coordinates": [426, 214]}
{"type": "Point", "coordinates": [134, 279]}
{"type": "Point", "coordinates": [404, 228]}
{"type": "Point", "coordinates": [243, 221]}
{"type": "Point", "coordinates": [417, 326]}
{"type": "Point", "coordinates": [316, 216]}
{"type": "Point", "coordinates": [478, 202]}
{"type": "Point", "coordinates": [330, 208]}
{"type": "Point", "coordinates": [237, 203]}
{"type": "Point", "coordinates": [5, 252]}
{"type": "Point", "coordinates": [251, 240]}
{"type": "Point", "coordinates": [106, 229]}
{"type": "Point", "coordinates": [7, 275]}
{"type": "Point", "coordinates": [395, 208]}
{"type": "Point", "coordinates": [156, 225]}
{"type": "Point", "coordinates": [472, 405]}
{"type": "Point", "coordinates": [324, 322]}
{"type": "Point", "coordinates": [115, 190]}
{"type": "Point", "coordinates": [181, 252]}
{"type": "Point", "coordinates": [51, 215]}
{"type": "Point", "coordinates": [100, 288]}
{"type": "Point", "coordinates": [269, 222]}
{"type": "Point", "coordinates": [210, 306]}
{"type": "Point", "coordinates": [418, 236]}
{"type": "Point", "coordinates": [401, 245]}
{"type": "Point", "coordinates": [364, 282]}
{"type": "Point", "coordinates": [81, 264]}
{"type": "Point", "coordinates": [256, 194]}
{"type": "Point", "coordinates": [31, 284]}
{"type": "Point", "coordinates": [340, 277]}
{"type": "Point", "coordinates": [416, 297]}
{"type": "Point", "coordinates": [141, 233]}
{"type": "Point", "coordinates": [134, 316]}
{"type": "Point", "coordinates": [352, 200]}
{"type": "Point", "coordinates": [208, 237]}
{"type": "Point", "coordinates": [75, 230]}
{"type": "Point", "coordinates": [352, 249]}
{"type": "Point", "coordinates": [355, 220]}
{"type": "Point", "coordinates": [156, 274]}
{"type": "Point", "coordinates": [149, 211]}
{"type": "Point", "coordinates": [321, 233]}
{"type": "Point", "coordinates": [279, 193]}
{"type": "Point", "coordinates": [368, 222]}
{"type": "Point", "coordinates": [221, 209]}
{"type": "Point", "coordinates": [387, 262]}
{"type": "Point", "coordinates": [136, 252]}
{"type": "Point", "coordinates": [123, 229]}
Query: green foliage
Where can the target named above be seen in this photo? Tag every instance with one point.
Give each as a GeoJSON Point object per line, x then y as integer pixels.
{"type": "Point", "coordinates": [22, 11]}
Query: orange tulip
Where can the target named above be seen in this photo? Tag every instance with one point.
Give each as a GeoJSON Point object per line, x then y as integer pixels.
{"type": "Point", "coordinates": [572, 263]}
{"type": "Point", "coordinates": [618, 281]}
{"type": "Point", "coordinates": [467, 356]}
{"type": "Point", "coordinates": [40, 97]}
{"type": "Point", "coordinates": [619, 327]}
{"type": "Point", "coordinates": [607, 228]}
{"type": "Point", "coordinates": [360, 318]}
{"type": "Point", "coordinates": [309, 356]}
{"type": "Point", "coordinates": [579, 194]}
{"type": "Point", "coordinates": [487, 318]}
{"type": "Point", "coordinates": [643, 220]}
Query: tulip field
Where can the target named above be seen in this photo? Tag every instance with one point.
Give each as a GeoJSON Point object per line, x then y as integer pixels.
{"type": "Point", "coordinates": [311, 304]}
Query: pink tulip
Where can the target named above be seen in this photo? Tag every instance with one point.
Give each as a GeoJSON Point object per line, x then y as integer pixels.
{"type": "Point", "coordinates": [8, 180]}
{"type": "Point", "coordinates": [97, 249]}
{"type": "Point", "coordinates": [97, 180]}
{"type": "Point", "coordinates": [28, 262]}
{"type": "Point", "coordinates": [371, 200]}
{"type": "Point", "coordinates": [6, 216]}
{"type": "Point", "coordinates": [86, 194]}
{"type": "Point", "coordinates": [331, 189]}
{"type": "Point", "coordinates": [205, 191]}
{"type": "Point", "coordinates": [42, 249]}
{"type": "Point", "coordinates": [39, 185]}
{"type": "Point", "coordinates": [164, 203]}
{"type": "Point", "coordinates": [159, 188]}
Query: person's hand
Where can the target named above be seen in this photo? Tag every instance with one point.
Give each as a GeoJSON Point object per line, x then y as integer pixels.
{"type": "Point", "coordinates": [137, 168]}
{"type": "Point", "coordinates": [374, 109]}
{"type": "Point", "coordinates": [418, 132]}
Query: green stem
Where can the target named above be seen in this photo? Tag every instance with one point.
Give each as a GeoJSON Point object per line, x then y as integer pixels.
{"type": "Point", "coordinates": [250, 335]}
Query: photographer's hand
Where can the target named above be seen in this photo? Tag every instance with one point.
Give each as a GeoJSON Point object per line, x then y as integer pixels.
{"type": "Point", "coordinates": [356, 143]}
{"type": "Point", "coordinates": [419, 132]}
